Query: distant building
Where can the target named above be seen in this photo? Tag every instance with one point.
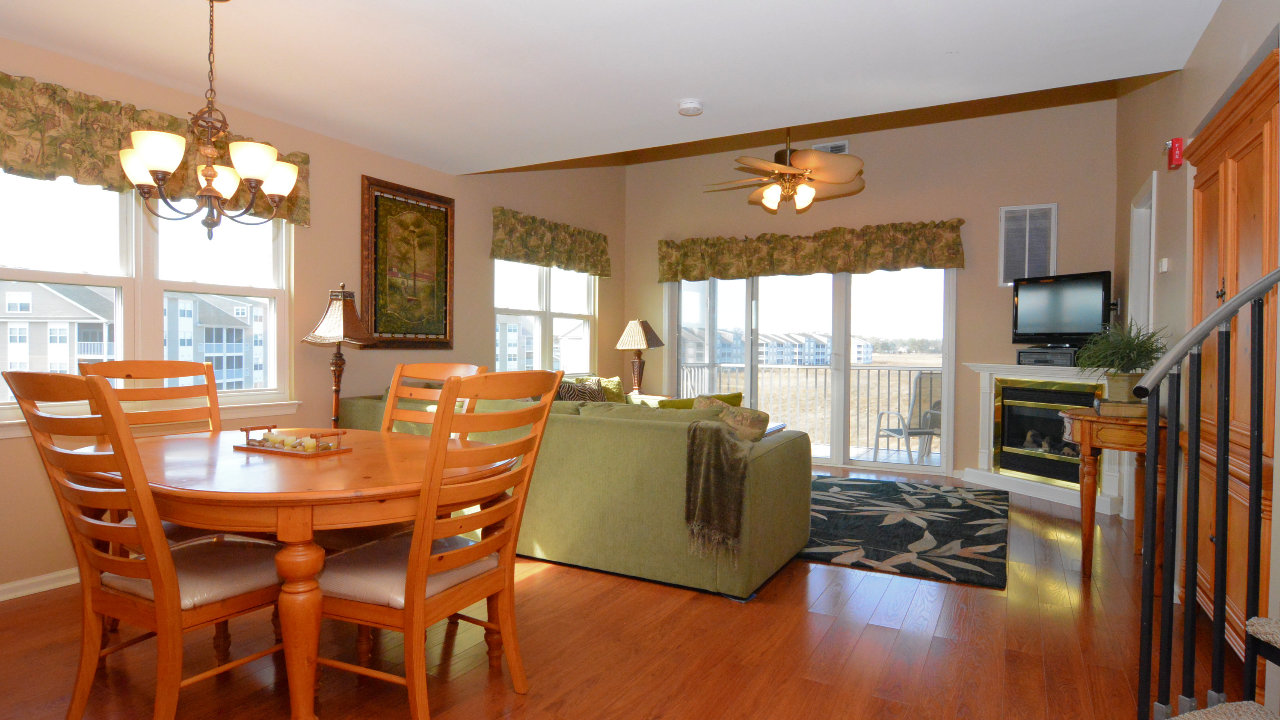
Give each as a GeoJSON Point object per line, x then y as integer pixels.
{"type": "Point", "coordinates": [797, 349]}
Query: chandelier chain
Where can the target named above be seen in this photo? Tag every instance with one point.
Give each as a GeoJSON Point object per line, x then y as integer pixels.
{"type": "Point", "coordinates": [210, 94]}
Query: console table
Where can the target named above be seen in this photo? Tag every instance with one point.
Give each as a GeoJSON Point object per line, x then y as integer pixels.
{"type": "Point", "coordinates": [1094, 432]}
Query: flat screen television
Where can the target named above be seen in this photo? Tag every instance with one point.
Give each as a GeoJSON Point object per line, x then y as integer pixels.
{"type": "Point", "coordinates": [1061, 309]}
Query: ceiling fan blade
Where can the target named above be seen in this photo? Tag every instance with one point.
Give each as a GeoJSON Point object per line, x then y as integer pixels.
{"type": "Point", "coordinates": [828, 167]}
{"type": "Point", "coordinates": [740, 182]}
{"type": "Point", "coordinates": [826, 191]}
{"type": "Point", "coordinates": [772, 167]}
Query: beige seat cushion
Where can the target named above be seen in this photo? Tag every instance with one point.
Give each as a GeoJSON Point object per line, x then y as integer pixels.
{"type": "Point", "coordinates": [1232, 711]}
{"type": "Point", "coordinates": [211, 570]}
{"type": "Point", "coordinates": [1265, 629]}
{"type": "Point", "coordinates": [375, 573]}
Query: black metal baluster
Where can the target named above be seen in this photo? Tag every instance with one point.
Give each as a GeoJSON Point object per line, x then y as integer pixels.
{"type": "Point", "coordinates": [1254, 558]}
{"type": "Point", "coordinates": [1174, 396]}
{"type": "Point", "coordinates": [1148, 556]}
{"type": "Point", "coordinates": [1187, 698]}
{"type": "Point", "coordinates": [1217, 694]}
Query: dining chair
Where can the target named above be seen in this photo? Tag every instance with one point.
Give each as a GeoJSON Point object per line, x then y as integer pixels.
{"type": "Point", "coordinates": [410, 581]}
{"type": "Point", "coordinates": [182, 404]}
{"type": "Point", "coordinates": [415, 391]}
{"type": "Point", "coordinates": [163, 590]}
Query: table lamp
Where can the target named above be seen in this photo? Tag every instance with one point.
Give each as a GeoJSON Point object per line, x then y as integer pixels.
{"type": "Point", "coordinates": [638, 336]}
{"type": "Point", "coordinates": [340, 324]}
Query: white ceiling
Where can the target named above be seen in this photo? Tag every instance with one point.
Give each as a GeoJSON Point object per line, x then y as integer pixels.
{"type": "Point", "coordinates": [474, 85]}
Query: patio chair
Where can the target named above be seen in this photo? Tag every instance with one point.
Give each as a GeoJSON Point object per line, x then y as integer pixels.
{"type": "Point", "coordinates": [410, 581]}
{"type": "Point", "coordinates": [162, 590]}
{"type": "Point", "coordinates": [923, 419]}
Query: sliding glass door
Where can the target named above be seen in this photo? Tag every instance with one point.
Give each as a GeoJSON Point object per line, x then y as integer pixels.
{"type": "Point", "coordinates": [793, 352]}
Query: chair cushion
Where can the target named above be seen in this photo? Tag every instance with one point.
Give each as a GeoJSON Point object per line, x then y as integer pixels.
{"type": "Point", "coordinates": [375, 573]}
{"type": "Point", "coordinates": [210, 571]}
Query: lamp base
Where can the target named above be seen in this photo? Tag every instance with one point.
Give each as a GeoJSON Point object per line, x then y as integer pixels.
{"type": "Point", "coordinates": [336, 364]}
{"type": "Point", "coordinates": [637, 371]}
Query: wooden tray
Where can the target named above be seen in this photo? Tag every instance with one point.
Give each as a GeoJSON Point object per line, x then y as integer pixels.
{"type": "Point", "coordinates": [291, 452]}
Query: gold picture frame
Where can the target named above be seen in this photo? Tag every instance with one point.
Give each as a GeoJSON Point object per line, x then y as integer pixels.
{"type": "Point", "coordinates": [406, 265]}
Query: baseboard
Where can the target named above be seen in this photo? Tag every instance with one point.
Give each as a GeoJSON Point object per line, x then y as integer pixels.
{"type": "Point", "coordinates": [40, 583]}
{"type": "Point", "coordinates": [1107, 504]}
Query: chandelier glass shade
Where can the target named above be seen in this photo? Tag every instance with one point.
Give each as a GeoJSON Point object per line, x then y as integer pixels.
{"type": "Point", "coordinates": [788, 187]}
{"type": "Point", "coordinates": [155, 156]}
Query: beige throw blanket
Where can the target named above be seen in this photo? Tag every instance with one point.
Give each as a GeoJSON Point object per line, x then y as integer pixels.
{"type": "Point", "coordinates": [716, 472]}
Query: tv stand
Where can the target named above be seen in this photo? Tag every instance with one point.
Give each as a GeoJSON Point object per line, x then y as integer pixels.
{"type": "Point", "coordinates": [1051, 355]}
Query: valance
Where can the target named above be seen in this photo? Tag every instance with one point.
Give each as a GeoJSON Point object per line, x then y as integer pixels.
{"type": "Point", "coordinates": [48, 131]}
{"type": "Point", "coordinates": [536, 241]}
{"type": "Point", "coordinates": [894, 246]}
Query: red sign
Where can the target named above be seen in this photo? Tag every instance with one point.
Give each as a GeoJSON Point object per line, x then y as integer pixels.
{"type": "Point", "coordinates": [1175, 153]}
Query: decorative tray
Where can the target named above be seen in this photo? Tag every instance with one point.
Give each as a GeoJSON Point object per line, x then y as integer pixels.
{"type": "Point", "coordinates": [313, 445]}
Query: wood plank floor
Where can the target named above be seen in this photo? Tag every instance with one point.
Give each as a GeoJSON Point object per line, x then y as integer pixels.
{"type": "Point", "coordinates": [818, 641]}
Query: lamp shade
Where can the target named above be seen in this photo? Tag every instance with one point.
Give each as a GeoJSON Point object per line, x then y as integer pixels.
{"type": "Point", "coordinates": [638, 335]}
{"type": "Point", "coordinates": [341, 323]}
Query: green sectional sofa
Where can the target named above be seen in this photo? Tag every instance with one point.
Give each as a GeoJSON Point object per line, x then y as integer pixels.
{"type": "Point", "coordinates": [609, 494]}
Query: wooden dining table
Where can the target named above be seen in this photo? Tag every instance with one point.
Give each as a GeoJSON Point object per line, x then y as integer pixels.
{"type": "Point", "coordinates": [203, 481]}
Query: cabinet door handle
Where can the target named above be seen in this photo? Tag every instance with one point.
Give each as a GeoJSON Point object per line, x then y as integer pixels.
{"type": "Point", "coordinates": [1222, 292]}
{"type": "Point", "coordinates": [1213, 539]}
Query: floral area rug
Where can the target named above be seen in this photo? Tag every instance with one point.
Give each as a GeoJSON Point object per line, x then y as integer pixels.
{"type": "Point", "coordinates": [934, 532]}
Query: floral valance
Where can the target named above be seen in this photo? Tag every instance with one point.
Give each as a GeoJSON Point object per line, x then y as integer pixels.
{"type": "Point", "coordinates": [48, 131]}
{"type": "Point", "coordinates": [536, 241]}
{"type": "Point", "coordinates": [894, 246]}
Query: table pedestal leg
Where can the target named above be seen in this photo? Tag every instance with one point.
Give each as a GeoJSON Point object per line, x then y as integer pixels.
{"type": "Point", "coordinates": [1088, 504]}
{"type": "Point", "coordinates": [298, 564]}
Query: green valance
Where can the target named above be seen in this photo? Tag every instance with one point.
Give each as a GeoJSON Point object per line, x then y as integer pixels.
{"type": "Point", "coordinates": [536, 241]}
{"type": "Point", "coordinates": [48, 131]}
{"type": "Point", "coordinates": [894, 246]}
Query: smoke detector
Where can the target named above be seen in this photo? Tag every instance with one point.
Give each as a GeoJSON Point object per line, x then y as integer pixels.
{"type": "Point", "coordinates": [690, 107]}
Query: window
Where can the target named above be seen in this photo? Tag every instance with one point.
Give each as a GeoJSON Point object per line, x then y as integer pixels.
{"type": "Point", "coordinates": [92, 270]}
{"type": "Point", "coordinates": [546, 318]}
{"type": "Point", "coordinates": [1028, 241]}
{"type": "Point", "coordinates": [17, 302]}
{"type": "Point", "coordinates": [17, 334]}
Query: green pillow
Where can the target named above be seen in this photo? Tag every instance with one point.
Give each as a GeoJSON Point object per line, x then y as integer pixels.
{"type": "Point", "coordinates": [612, 388]}
{"type": "Point", "coordinates": [747, 423]}
{"type": "Point", "coordinates": [732, 399]}
{"type": "Point", "coordinates": [644, 412]}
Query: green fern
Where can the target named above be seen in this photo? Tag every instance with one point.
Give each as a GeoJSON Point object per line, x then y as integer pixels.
{"type": "Point", "coordinates": [1122, 349]}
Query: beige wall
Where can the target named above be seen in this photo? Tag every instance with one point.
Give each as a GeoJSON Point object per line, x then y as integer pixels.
{"type": "Point", "coordinates": [967, 169]}
{"type": "Point", "coordinates": [325, 254]}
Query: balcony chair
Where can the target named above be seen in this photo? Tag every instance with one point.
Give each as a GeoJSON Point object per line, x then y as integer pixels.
{"type": "Point", "coordinates": [410, 581]}
{"type": "Point", "coordinates": [163, 590]}
{"type": "Point", "coordinates": [923, 419]}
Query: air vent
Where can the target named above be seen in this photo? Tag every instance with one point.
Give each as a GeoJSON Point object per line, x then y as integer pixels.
{"type": "Point", "coordinates": [839, 147]}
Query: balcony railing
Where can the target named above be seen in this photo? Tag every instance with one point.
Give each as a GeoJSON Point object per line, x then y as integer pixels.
{"type": "Point", "coordinates": [95, 349]}
{"type": "Point", "coordinates": [802, 397]}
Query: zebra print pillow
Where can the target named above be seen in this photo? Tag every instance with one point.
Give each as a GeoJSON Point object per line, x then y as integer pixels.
{"type": "Point", "coordinates": [589, 390]}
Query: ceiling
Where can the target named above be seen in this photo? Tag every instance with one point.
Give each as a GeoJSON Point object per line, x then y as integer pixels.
{"type": "Point", "coordinates": [489, 84]}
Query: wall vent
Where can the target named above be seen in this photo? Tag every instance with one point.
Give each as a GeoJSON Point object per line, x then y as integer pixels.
{"type": "Point", "coordinates": [839, 147]}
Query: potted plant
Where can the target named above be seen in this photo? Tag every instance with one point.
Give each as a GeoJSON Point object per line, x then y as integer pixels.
{"type": "Point", "coordinates": [1124, 351]}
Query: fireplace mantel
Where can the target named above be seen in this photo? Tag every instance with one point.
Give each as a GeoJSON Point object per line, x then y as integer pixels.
{"type": "Point", "coordinates": [1109, 502]}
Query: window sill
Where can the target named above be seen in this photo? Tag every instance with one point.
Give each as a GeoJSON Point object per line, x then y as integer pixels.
{"type": "Point", "coordinates": [16, 427]}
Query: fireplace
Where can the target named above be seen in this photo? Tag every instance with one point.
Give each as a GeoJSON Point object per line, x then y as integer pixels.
{"type": "Point", "coordinates": [1027, 429]}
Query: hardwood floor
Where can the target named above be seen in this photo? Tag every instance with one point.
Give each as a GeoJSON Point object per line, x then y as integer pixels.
{"type": "Point", "coordinates": [818, 641]}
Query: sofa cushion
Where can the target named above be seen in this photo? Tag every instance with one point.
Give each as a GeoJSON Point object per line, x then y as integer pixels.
{"type": "Point", "coordinates": [612, 388]}
{"type": "Point", "coordinates": [589, 390]}
{"type": "Point", "coordinates": [734, 399]}
{"type": "Point", "coordinates": [747, 423]}
{"type": "Point", "coordinates": [644, 412]}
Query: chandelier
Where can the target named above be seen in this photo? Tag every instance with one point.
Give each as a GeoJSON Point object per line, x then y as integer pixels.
{"type": "Point", "coordinates": [155, 155]}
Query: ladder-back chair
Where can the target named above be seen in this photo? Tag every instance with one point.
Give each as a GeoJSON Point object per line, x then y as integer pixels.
{"type": "Point", "coordinates": [164, 591]}
{"type": "Point", "coordinates": [410, 581]}
{"type": "Point", "coordinates": [142, 381]}
{"type": "Point", "coordinates": [415, 391]}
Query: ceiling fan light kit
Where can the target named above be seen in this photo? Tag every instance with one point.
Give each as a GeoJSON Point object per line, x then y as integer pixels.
{"type": "Point", "coordinates": [156, 155]}
{"type": "Point", "coordinates": [799, 177]}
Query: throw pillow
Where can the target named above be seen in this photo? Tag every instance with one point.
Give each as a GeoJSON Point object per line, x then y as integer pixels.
{"type": "Point", "coordinates": [589, 390]}
{"type": "Point", "coordinates": [734, 399]}
{"type": "Point", "coordinates": [747, 423]}
{"type": "Point", "coordinates": [612, 388]}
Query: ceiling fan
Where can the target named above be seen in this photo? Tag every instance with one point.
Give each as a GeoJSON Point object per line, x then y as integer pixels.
{"type": "Point", "coordinates": [798, 176]}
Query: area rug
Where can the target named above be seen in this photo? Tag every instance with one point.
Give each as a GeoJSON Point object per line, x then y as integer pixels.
{"type": "Point", "coordinates": [934, 532]}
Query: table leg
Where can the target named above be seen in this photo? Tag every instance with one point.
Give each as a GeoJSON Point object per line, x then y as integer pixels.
{"type": "Point", "coordinates": [1088, 504]}
{"type": "Point", "coordinates": [1139, 499]}
{"type": "Point", "coordinates": [298, 564]}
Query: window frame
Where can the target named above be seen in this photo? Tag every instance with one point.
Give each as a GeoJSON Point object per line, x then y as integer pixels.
{"type": "Point", "coordinates": [139, 313]}
{"type": "Point", "coordinates": [545, 319]}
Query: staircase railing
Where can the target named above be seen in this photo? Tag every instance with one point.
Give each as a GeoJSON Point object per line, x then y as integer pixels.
{"type": "Point", "coordinates": [1167, 373]}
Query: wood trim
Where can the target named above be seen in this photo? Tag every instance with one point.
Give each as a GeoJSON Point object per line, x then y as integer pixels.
{"type": "Point", "coordinates": [1262, 87]}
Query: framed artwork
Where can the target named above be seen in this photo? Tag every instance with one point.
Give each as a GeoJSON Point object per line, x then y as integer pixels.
{"type": "Point", "coordinates": [406, 265]}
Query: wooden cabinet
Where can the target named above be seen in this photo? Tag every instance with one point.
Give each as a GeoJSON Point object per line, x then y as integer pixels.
{"type": "Point", "coordinates": [1234, 244]}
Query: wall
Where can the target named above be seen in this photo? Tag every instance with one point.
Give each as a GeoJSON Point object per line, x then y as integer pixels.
{"type": "Point", "coordinates": [325, 254]}
{"type": "Point", "coordinates": [967, 168]}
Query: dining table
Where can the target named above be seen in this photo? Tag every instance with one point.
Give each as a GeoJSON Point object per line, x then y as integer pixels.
{"type": "Point", "coordinates": [203, 480]}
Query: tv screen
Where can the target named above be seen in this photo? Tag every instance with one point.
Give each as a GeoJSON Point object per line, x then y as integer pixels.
{"type": "Point", "coordinates": [1061, 309]}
